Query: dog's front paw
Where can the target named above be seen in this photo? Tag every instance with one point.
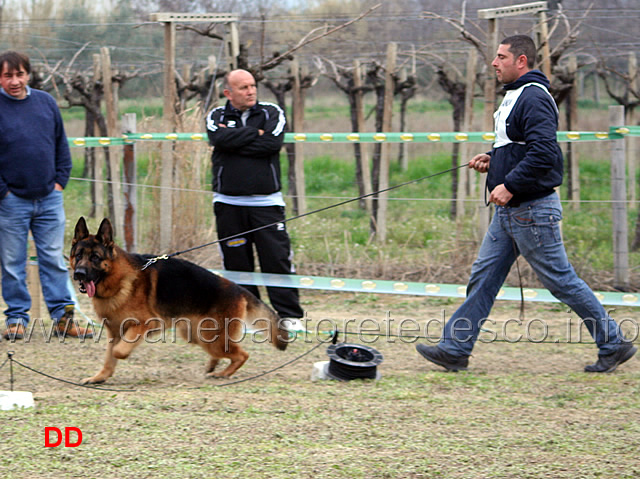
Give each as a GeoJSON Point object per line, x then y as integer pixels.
{"type": "Point", "coordinates": [93, 380]}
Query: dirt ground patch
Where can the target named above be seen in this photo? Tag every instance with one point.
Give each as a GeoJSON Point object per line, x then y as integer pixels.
{"type": "Point", "coordinates": [524, 409]}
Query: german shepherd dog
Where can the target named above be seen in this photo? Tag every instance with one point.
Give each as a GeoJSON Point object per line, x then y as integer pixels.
{"type": "Point", "coordinates": [134, 301]}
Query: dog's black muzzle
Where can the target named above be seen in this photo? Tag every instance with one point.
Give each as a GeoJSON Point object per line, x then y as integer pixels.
{"type": "Point", "coordinates": [80, 274]}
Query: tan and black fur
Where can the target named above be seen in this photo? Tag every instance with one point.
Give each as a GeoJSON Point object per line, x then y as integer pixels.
{"type": "Point", "coordinates": [133, 301]}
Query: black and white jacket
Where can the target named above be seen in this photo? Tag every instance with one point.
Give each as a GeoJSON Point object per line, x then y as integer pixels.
{"type": "Point", "coordinates": [243, 161]}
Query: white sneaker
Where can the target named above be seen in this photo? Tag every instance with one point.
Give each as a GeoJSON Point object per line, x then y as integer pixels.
{"type": "Point", "coordinates": [292, 324]}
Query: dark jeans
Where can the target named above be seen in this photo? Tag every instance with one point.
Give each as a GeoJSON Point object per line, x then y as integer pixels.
{"type": "Point", "coordinates": [532, 230]}
{"type": "Point", "coordinates": [272, 245]}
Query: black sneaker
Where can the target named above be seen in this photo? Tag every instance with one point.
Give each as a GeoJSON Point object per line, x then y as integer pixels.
{"type": "Point", "coordinates": [442, 358]}
{"type": "Point", "coordinates": [609, 363]}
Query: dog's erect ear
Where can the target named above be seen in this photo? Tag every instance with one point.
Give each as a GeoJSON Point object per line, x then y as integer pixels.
{"type": "Point", "coordinates": [81, 231]}
{"type": "Point", "coordinates": [105, 233]}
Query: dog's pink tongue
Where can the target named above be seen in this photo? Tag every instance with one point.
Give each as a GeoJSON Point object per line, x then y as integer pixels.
{"type": "Point", "coordinates": [91, 289]}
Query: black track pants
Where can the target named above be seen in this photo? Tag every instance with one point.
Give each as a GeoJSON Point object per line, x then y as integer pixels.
{"type": "Point", "coordinates": [272, 245]}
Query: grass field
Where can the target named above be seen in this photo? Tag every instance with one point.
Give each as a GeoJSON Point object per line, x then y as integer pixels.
{"type": "Point", "coordinates": [523, 410]}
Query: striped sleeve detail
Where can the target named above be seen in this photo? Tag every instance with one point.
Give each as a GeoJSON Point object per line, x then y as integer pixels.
{"type": "Point", "coordinates": [282, 121]}
{"type": "Point", "coordinates": [211, 124]}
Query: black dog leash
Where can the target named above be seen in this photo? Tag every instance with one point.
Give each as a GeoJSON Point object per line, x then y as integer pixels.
{"type": "Point", "coordinates": [286, 220]}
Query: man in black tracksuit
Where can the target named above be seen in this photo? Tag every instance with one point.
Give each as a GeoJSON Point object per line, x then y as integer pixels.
{"type": "Point", "coordinates": [247, 136]}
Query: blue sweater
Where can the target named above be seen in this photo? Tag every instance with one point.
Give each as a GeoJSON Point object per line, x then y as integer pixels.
{"type": "Point", "coordinates": [34, 153]}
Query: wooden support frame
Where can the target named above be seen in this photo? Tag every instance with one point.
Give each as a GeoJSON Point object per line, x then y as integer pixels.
{"type": "Point", "coordinates": [619, 203]}
{"type": "Point", "coordinates": [169, 19]}
{"type": "Point", "coordinates": [523, 8]}
{"type": "Point", "coordinates": [231, 32]}
{"type": "Point", "coordinates": [364, 148]}
{"type": "Point", "coordinates": [298, 125]}
{"type": "Point", "coordinates": [383, 196]}
{"type": "Point", "coordinates": [115, 187]}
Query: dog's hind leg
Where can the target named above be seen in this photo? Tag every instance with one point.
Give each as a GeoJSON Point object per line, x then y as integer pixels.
{"type": "Point", "coordinates": [234, 353]}
{"type": "Point", "coordinates": [211, 367]}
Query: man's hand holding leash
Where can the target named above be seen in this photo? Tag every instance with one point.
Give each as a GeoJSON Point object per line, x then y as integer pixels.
{"type": "Point", "coordinates": [480, 163]}
{"type": "Point", "coordinates": [500, 194]}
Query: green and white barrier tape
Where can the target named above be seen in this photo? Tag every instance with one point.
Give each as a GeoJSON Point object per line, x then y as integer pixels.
{"type": "Point", "coordinates": [614, 133]}
{"type": "Point", "coordinates": [410, 288]}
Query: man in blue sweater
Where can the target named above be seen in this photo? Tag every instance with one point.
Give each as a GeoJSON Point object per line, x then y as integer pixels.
{"type": "Point", "coordinates": [35, 164]}
{"type": "Point", "coordinates": [524, 167]}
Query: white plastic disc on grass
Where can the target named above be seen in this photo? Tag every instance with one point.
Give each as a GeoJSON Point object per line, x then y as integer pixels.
{"type": "Point", "coordinates": [15, 399]}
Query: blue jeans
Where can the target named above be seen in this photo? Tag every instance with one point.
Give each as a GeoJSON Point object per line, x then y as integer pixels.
{"type": "Point", "coordinates": [45, 218]}
{"type": "Point", "coordinates": [531, 230]}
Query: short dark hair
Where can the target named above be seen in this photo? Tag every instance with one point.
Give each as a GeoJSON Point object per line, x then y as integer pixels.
{"type": "Point", "coordinates": [522, 45]}
{"type": "Point", "coordinates": [14, 61]}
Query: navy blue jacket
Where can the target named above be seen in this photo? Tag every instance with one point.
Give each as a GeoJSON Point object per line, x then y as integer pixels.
{"type": "Point", "coordinates": [533, 168]}
{"type": "Point", "coordinates": [34, 152]}
{"type": "Point", "coordinates": [245, 162]}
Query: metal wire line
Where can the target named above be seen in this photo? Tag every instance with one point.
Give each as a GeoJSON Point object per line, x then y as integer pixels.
{"type": "Point", "coordinates": [316, 197]}
{"type": "Point", "coordinates": [13, 360]}
{"type": "Point", "coordinates": [334, 336]}
{"type": "Point", "coordinates": [436, 339]}
{"type": "Point", "coordinates": [281, 366]}
{"type": "Point", "coordinates": [4, 364]}
{"type": "Point", "coordinates": [319, 210]}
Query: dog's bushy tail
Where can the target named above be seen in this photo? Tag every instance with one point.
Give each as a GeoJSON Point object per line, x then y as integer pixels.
{"type": "Point", "coordinates": [258, 311]}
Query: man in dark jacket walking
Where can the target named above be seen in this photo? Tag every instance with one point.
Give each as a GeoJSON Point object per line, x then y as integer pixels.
{"type": "Point", "coordinates": [247, 136]}
{"type": "Point", "coordinates": [524, 166]}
